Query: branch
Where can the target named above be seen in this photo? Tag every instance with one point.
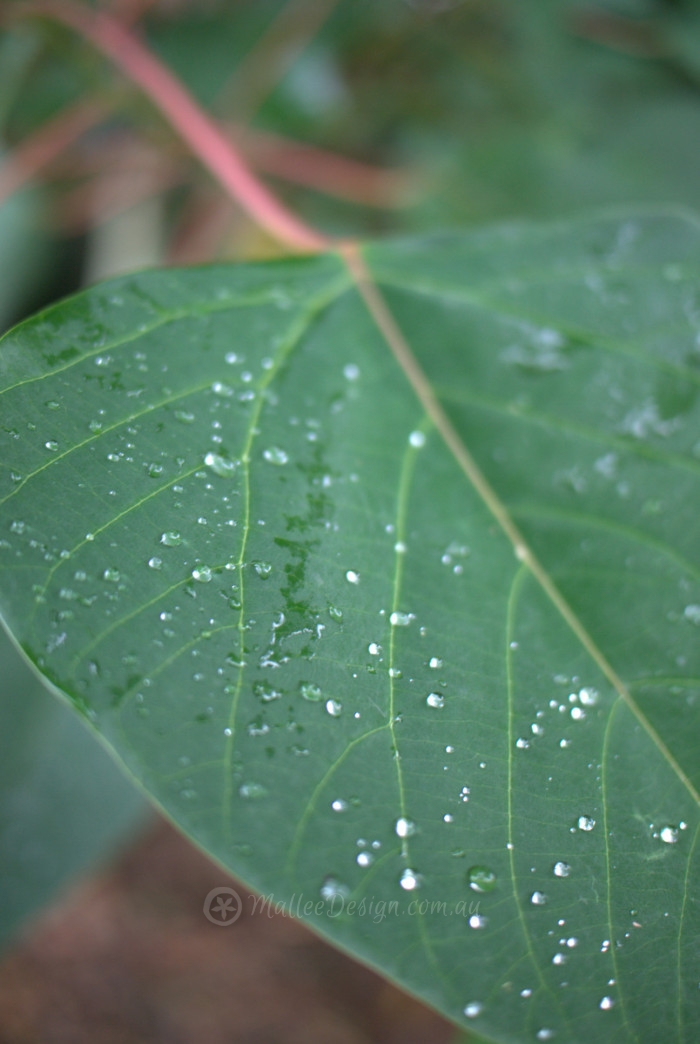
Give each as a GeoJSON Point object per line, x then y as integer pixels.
{"type": "Point", "coordinates": [186, 117]}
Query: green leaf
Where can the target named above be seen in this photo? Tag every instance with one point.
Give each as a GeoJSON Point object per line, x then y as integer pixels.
{"type": "Point", "coordinates": [284, 589]}
{"type": "Point", "coordinates": [64, 804]}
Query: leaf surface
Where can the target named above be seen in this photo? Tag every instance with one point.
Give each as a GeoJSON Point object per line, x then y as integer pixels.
{"type": "Point", "coordinates": [239, 541]}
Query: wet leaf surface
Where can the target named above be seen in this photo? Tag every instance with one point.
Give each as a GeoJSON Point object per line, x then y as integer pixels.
{"type": "Point", "coordinates": [233, 536]}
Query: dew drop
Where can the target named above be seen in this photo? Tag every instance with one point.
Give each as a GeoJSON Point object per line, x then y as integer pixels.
{"type": "Point", "coordinates": [335, 613]}
{"type": "Point", "coordinates": [252, 790]}
{"type": "Point", "coordinates": [334, 708]}
{"type": "Point", "coordinates": [435, 663]}
{"type": "Point", "coordinates": [526, 992]}
{"type": "Point", "coordinates": [171, 538]}
{"type": "Point", "coordinates": [545, 1034]}
{"type": "Point", "coordinates": [473, 1009]}
{"type": "Point", "coordinates": [559, 958]}
{"type": "Point", "coordinates": [561, 869]}
{"type": "Point", "coordinates": [435, 700]}
{"type": "Point", "coordinates": [339, 805]}
{"type": "Point", "coordinates": [606, 1004]}
{"type": "Point", "coordinates": [405, 827]}
{"type": "Point", "coordinates": [417, 439]}
{"type": "Point", "coordinates": [692, 613]}
{"type": "Point", "coordinates": [401, 619]}
{"type": "Point", "coordinates": [410, 880]}
{"type": "Point", "coordinates": [51, 445]}
{"type": "Point", "coordinates": [481, 879]}
{"type": "Point", "coordinates": [538, 898]}
{"type": "Point", "coordinates": [352, 577]}
{"type": "Point", "coordinates": [112, 576]}
{"type": "Point", "coordinates": [263, 569]}
{"type": "Point", "coordinates": [522, 744]}
{"type": "Point", "coordinates": [311, 692]}
{"type": "Point", "coordinates": [220, 465]}
{"type": "Point", "coordinates": [364, 859]}
{"type": "Point", "coordinates": [477, 921]}
{"type": "Point", "coordinates": [373, 649]}
{"type": "Point", "coordinates": [351, 372]}
{"type": "Point", "coordinates": [202, 574]}
{"type": "Point", "coordinates": [585, 823]}
{"type": "Point", "coordinates": [155, 563]}
{"type": "Point", "coordinates": [275, 455]}
{"type": "Point", "coordinates": [332, 888]}
{"type": "Point", "coordinates": [669, 835]}
{"type": "Point", "coordinates": [224, 390]}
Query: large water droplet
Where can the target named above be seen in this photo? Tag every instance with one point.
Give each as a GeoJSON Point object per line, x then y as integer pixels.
{"type": "Point", "coordinates": [364, 859]}
{"type": "Point", "coordinates": [606, 1004]}
{"type": "Point", "coordinates": [113, 576]}
{"type": "Point", "coordinates": [401, 619]}
{"type": "Point", "coordinates": [585, 823]}
{"type": "Point", "coordinates": [171, 538]}
{"type": "Point", "coordinates": [405, 827]}
{"type": "Point", "coordinates": [435, 700]}
{"type": "Point", "coordinates": [481, 879]}
{"type": "Point", "coordinates": [202, 574]}
{"type": "Point", "coordinates": [220, 465]}
{"type": "Point", "coordinates": [339, 805]}
{"type": "Point", "coordinates": [477, 921]}
{"type": "Point", "coordinates": [669, 834]}
{"type": "Point", "coordinates": [417, 439]}
{"type": "Point", "coordinates": [334, 708]}
{"type": "Point", "coordinates": [561, 869]}
{"type": "Point", "coordinates": [410, 880]}
{"type": "Point", "coordinates": [538, 898]}
{"type": "Point", "coordinates": [352, 577]}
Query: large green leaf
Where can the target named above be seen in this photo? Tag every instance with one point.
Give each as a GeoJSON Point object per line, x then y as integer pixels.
{"type": "Point", "coordinates": [235, 538]}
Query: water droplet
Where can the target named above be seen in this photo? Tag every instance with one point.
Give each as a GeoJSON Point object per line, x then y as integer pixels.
{"type": "Point", "coordinates": [522, 744]}
{"type": "Point", "coordinates": [373, 649]}
{"type": "Point", "coordinates": [275, 455]}
{"type": "Point", "coordinates": [252, 790]}
{"type": "Point", "coordinates": [481, 879]}
{"type": "Point", "coordinates": [51, 445]}
{"type": "Point", "coordinates": [473, 1009]}
{"type": "Point", "coordinates": [220, 465]}
{"type": "Point", "coordinates": [585, 823]}
{"type": "Point", "coordinates": [334, 889]}
{"type": "Point", "coordinates": [351, 372]}
{"type": "Point", "coordinates": [113, 576]}
{"type": "Point", "coordinates": [311, 692]}
{"type": "Point", "coordinates": [538, 898]}
{"type": "Point", "coordinates": [464, 794]}
{"type": "Point", "coordinates": [578, 713]}
{"type": "Point", "coordinates": [561, 869]}
{"type": "Point", "coordinates": [263, 569]}
{"type": "Point", "coordinates": [184, 416]}
{"type": "Point", "coordinates": [410, 880]}
{"type": "Point", "coordinates": [364, 859]}
{"type": "Point", "coordinates": [401, 619]}
{"type": "Point", "coordinates": [262, 691]}
{"type": "Point", "coordinates": [334, 708]}
{"type": "Point", "coordinates": [692, 613]}
{"type": "Point", "coordinates": [572, 942]}
{"type": "Point", "coordinates": [588, 697]}
{"type": "Point", "coordinates": [559, 958]}
{"type": "Point", "coordinates": [400, 547]}
{"type": "Point", "coordinates": [339, 805]}
{"type": "Point", "coordinates": [219, 388]}
{"type": "Point", "coordinates": [447, 818]}
{"type": "Point", "coordinates": [405, 827]}
{"type": "Point", "coordinates": [335, 613]}
{"type": "Point", "coordinates": [606, 1004]}
{"type": "Point", "coordinates": [171, 538]}
{"type": "Point", "coordinates": [526, 992]}
{"type": "Point", "coordinates": [417, 439]}
{"type": "Point", "coordinates": [545, 1034]}
{"type": "Point", "coordinates": [352, 577]}
{"type": "Point", "coordinates": [477, 921]}
{"type": "Point", "coordinates": [155, 563]}
{"type": "Point", "coordinates": [228, 732]}
{"type": "Point", "coordinates": [669, 834]}
{"type": "Point", "coordinates": [435, 700]}
{"type": "Point", "coordinates": [435, 663]}
{"type": "Point", "coordinates": [202, 574]}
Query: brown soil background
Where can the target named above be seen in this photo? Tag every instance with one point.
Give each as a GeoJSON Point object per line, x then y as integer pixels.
{"type": "Point", "coordinates": [127, 957]}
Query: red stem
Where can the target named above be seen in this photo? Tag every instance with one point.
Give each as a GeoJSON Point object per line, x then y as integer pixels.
{"type": "Point", "coordinates": [189, 120]}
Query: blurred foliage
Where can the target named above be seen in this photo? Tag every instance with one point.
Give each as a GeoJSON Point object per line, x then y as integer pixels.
{"type": "Point", "coordinates": [500, 108]}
